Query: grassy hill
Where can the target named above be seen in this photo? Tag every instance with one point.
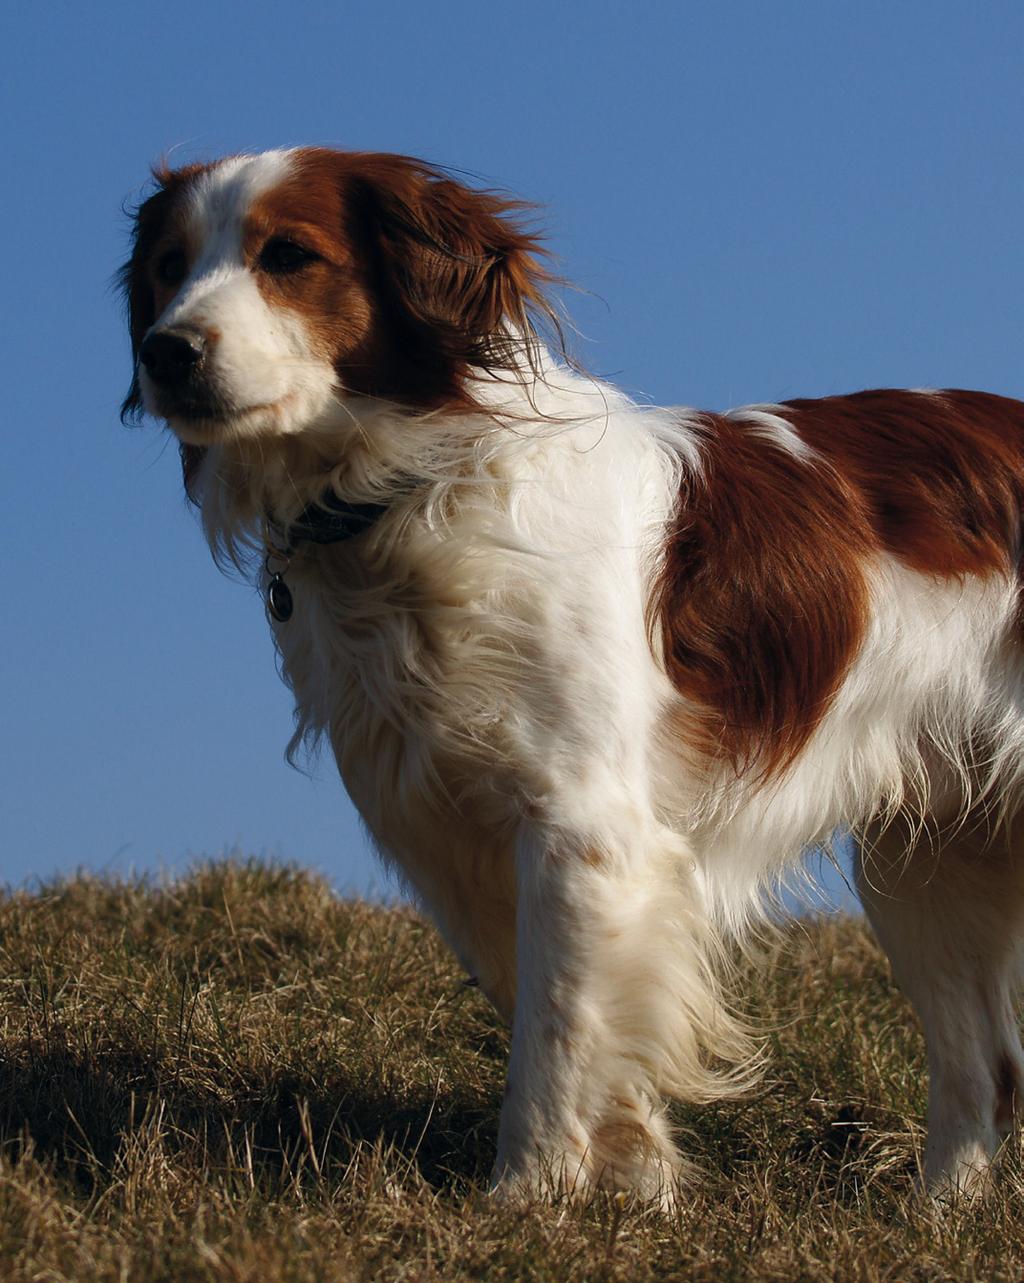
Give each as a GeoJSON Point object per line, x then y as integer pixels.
{"type": "Point", "coordinates": [238, 1076]}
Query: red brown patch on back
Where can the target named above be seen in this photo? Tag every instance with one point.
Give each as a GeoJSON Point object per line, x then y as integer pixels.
{"type": "Point", "coordinates": [761, 603]}
{"type": "Point", "coordinates": [940, 474]}
{"type": "Point", "coordinates": [762, 600]}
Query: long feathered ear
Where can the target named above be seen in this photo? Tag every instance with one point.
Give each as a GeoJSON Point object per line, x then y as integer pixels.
{"type": "Point", "coordinates": [148, 223]}
{"type": "Point", "coordinates": [460, 277]}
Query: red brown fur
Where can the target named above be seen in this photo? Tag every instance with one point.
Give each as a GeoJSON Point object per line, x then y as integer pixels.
{"type": "Point", "coordinates": [940, 476]}
{"type": "Point", "coordinates": [761, 602]}
{"type": "Point", "coordinates": [762, 599]}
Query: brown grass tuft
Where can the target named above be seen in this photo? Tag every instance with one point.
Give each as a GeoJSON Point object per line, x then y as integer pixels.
{"type": "Point", "coordinates": [240, 1076]}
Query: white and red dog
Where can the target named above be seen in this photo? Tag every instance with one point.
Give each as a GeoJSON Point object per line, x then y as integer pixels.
{"type": "Point", "coordinates": [596, 673]}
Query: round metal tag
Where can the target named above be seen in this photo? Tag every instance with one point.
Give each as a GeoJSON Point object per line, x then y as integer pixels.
{"type": "Point", "coordinates": [279, 600]}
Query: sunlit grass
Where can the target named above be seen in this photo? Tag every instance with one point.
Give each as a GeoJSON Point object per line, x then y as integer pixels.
{"type": "Point", "coordinates": [240, 1076]}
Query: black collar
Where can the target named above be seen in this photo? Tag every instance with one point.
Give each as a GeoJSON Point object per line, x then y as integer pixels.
{"type": "Point", "coordinates": [329, 520]}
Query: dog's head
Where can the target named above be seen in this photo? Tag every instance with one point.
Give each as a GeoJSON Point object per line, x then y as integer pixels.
{"type": "Point", "coordinates": [263, 289]}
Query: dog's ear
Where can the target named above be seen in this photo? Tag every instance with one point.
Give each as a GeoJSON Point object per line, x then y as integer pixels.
{"type": "Point", "coordinates": [459, 276]}
{"type": "Point", "coordinates": [148, 222]}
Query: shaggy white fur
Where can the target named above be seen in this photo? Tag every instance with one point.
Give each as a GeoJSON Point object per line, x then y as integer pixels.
{"type": "Point", "coordinates": [480, 663]}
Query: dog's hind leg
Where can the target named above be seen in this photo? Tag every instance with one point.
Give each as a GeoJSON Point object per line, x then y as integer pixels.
{"type": "Point", "coordinates": [949, 911]}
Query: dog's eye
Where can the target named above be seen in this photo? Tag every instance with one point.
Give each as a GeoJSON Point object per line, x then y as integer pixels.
{"type": "Point", "coordinates": [282, 256]}
{"type": "Point", "coordinates": [170, 267]}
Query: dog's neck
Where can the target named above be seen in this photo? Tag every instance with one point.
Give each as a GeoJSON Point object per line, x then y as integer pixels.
{"type": "Point", "coordinates": [366, 453]}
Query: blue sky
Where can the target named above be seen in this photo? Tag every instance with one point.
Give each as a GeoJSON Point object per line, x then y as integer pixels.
{"type": "Point", "coordinates": [757, 200]}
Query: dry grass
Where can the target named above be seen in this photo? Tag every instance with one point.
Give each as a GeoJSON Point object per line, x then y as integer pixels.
{"type": "Point", "coordinates": [238, 1076]}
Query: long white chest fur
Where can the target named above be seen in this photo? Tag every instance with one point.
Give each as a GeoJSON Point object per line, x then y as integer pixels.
{"type": "Point", "coordinates": [449, 655]}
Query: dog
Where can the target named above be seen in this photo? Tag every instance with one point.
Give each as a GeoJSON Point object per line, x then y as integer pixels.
{"type": "Point", "coordinates": [597, 673]}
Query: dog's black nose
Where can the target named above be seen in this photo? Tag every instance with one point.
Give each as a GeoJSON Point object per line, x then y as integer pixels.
{"type": "Point", "coordinates": [170, 356]}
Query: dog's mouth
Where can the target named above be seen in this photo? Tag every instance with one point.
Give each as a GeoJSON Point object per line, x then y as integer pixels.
{"type": "Point", "coordinates": [207, 419]}
{"type": "Point", "coordinates": [192, 401]}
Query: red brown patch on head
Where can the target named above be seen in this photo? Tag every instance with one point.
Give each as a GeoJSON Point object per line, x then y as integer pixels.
{"type": "Point", "coordinates": [413, 278]}
{"type": "Point", "coordinates": [762, 599]}
{"type": "Point", "coordinates": [298, 245]}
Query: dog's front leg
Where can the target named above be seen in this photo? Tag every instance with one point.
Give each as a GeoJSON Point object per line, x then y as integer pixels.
{"type": "Point", "coordinates": [613, 995]}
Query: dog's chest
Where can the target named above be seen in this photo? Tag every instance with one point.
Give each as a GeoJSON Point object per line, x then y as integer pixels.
{"type": "Point", "coordinates": [410, 675]}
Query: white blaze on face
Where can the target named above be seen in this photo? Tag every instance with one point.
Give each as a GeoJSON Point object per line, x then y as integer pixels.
{"type": "Point", "coordinates": [259, 365]}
